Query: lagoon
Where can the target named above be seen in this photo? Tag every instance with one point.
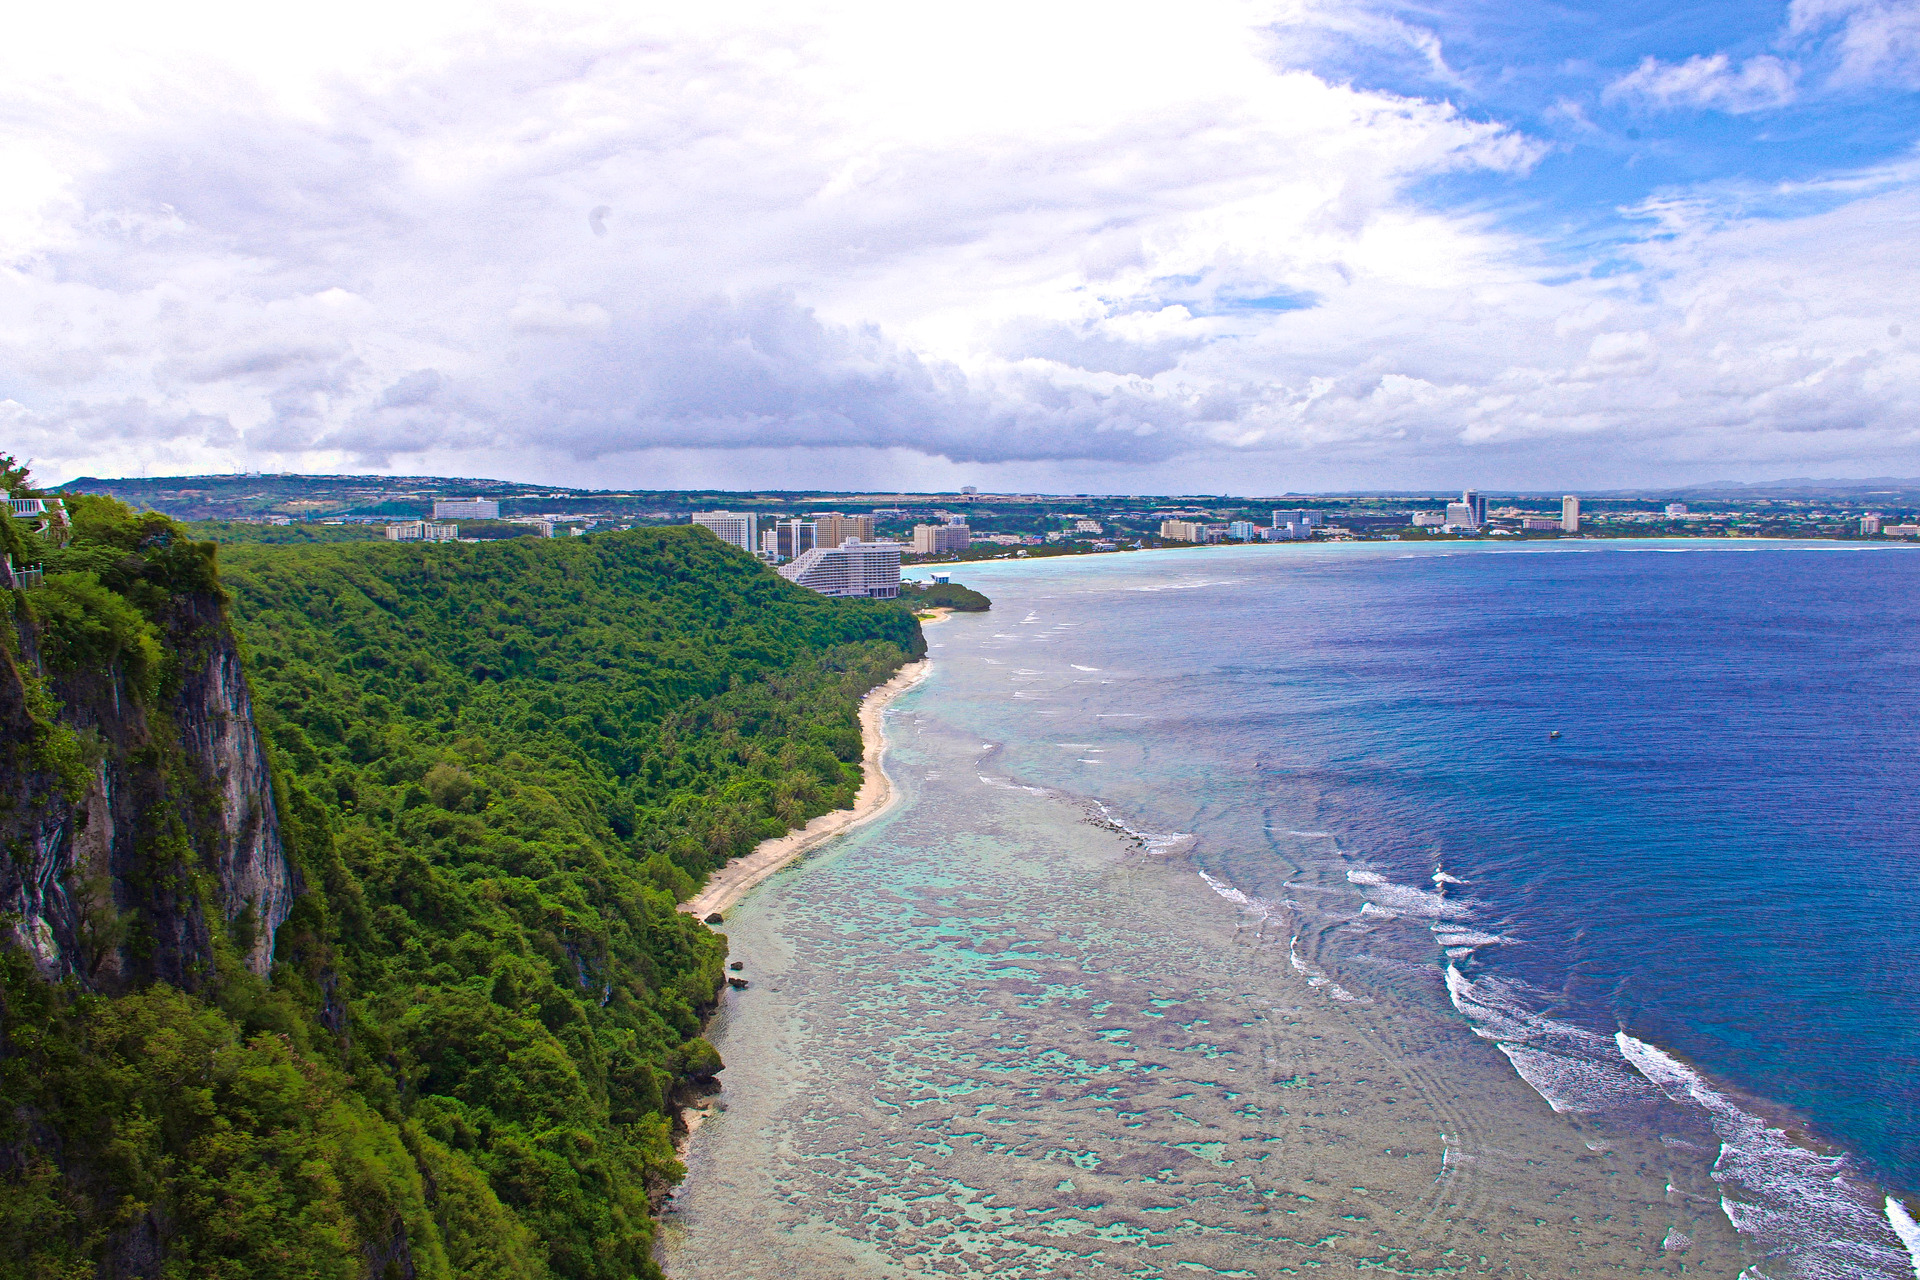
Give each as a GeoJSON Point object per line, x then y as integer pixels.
{"type": "Point", "coordinates": [1240, 916]}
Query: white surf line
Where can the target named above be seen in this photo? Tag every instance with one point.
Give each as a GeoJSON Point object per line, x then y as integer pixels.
{"type": "Point", "coordinates": [1907, 1229]}
{"type": "Point", "coordinates": [1797, 1200]}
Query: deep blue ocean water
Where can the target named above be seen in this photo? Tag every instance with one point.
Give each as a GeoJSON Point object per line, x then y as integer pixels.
{"type": "Point", "coordinates": [1707, 887]}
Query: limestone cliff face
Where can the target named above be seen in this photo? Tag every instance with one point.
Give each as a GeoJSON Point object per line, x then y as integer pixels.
{"type": "Point", "coordinates": [214, 712]}
{"type": "Point", "coordinates": [160, 828]}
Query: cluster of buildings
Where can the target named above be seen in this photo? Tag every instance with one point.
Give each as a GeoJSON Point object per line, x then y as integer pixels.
{"type": "Point", "coordinates": [422, 531]}
{"type": "Point", "coordinates": [1470, 513]}
{"type": "Point", "coordinates": [1287, 526]}
{"type": "Point", "coordinates": [940, 539]}
{"type": "Point", "coordinates": [828, 552]}
{"type": "Point", "coordinates": [440, 528]}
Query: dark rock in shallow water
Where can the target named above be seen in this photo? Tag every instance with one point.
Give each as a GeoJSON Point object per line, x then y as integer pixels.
{"type": "Point", "coordinates": [738, 984]}
{"type": "Point", "coordinates": [737, 965]}
{"type": "Point", "coordinates": [715, 918]}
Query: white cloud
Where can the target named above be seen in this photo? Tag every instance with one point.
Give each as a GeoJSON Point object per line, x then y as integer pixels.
{"type": "Point", "coordinates": [1708, 82]}
{"type": "Point", "coordinates": [1877, 42]}
{"type": "Point", "coordinates": [1033, 245]}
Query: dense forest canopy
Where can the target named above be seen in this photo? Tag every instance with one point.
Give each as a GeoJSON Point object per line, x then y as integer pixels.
{"type": "Point", "coordinates": [944, 595]}
{"type": "Point", "coordinates": [497, 767]}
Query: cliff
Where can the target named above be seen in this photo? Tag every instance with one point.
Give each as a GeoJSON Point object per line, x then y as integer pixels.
{"type": "Point", "coordinates": [136, 805]}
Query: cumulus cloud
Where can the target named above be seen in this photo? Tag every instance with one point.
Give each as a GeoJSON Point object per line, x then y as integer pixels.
{"type": "Point", "coordinates": [1708, 82]}
{"type": "Point", "coordinates": [872, 245]}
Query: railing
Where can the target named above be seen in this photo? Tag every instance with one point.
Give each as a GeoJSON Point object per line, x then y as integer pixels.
{"type": "Point", "coordinates": [23, 579]}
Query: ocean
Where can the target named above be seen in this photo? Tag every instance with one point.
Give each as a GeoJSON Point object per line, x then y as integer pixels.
{"type": "Point", "coordinates": [1575, 885]}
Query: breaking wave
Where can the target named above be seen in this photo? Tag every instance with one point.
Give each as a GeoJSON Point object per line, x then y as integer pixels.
{"type": "Point", "coordinates": [1405, 900]}
{"type": "Point", "coordinates": [1811, 1210]}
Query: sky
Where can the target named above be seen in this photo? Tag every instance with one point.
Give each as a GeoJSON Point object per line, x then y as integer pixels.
{"type": "Point", "coordinates": [1207, 247]}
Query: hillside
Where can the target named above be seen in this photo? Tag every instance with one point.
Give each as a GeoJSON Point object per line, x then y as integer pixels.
{"type": "Point", "coordinates": [494, 768]}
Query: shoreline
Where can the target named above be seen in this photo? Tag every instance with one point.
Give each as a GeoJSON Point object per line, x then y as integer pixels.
{"type": "Point", "coordinates": [730, 883]}
{"type": "Point", "coordinates": [1286, 1113]}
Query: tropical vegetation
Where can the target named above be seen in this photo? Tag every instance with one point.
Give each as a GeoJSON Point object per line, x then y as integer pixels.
{"type": "Point", "coordinates": [497, 769]}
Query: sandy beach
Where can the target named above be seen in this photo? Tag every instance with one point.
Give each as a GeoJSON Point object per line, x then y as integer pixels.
{"type": "Point", "coordinates": [731, 883]}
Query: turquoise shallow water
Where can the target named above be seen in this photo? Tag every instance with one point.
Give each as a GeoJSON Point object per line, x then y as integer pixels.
{"type": "Point", "coordinates": [991, 1036]}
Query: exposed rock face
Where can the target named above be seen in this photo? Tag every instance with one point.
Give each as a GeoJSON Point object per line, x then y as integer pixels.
{"type": "Point", "coordinates": [107, 887]}
{"type": "Point", "coordinates": [215, 715]}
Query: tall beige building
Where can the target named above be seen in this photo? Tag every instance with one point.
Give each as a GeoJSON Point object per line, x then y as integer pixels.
{"type": "Point", "coordinates": [835, 528]}
{"type": "Point", "coordinates": [938, 539]}
{"type": "Point", "coordinates": [1569, 514]}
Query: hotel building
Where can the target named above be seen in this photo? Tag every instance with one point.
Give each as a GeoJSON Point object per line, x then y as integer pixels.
{"type": "Point", "coordinates": [732, 527]}
{"type": "Point", "coordinates": [465, 509]}
{"type": "Point", "coordinates": [938, 539]}
{"type": "Point", "coordinates": [854, 568]}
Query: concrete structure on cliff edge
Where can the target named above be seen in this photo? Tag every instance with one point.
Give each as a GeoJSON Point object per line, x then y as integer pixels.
{"type": "Point", "coordinates": [854, 568]}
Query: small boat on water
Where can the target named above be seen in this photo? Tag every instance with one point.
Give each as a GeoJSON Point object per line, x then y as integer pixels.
{"type": "Point", "coordinates": [1552, 734]}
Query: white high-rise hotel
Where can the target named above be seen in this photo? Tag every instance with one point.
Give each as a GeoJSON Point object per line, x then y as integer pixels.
{"type": "Point", "coordinates": [466, 509]}
{"type": "Point", "coordinates": [733, 527]}
{"type": "Point", "coordinates": [854, 568]}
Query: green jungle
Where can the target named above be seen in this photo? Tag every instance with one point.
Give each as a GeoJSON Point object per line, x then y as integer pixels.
{"type": "Point", "coordinates": [497, 768]}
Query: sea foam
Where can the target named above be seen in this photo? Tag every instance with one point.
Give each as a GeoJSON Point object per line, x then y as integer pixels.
{"type": "Point", "coordinates": [1794, 1202]}
{"type": "Point", "coordinates": [1574, 1069]}
{"type": "Point", "coordinates": [1405, 899]}
{"type": "Point", "coordinates": [1907, 1229]}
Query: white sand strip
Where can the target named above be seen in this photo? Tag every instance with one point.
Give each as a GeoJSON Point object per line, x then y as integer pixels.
{"type": "Point", "coordinates": [728, 884]}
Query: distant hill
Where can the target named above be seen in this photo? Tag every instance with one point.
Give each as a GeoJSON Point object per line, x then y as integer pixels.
{"type": "Point", "coordinates": [231, 497]}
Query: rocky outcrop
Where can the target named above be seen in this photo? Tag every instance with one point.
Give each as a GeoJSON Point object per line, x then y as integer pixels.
{"type": "Point", "coordinates": [156, 825]}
